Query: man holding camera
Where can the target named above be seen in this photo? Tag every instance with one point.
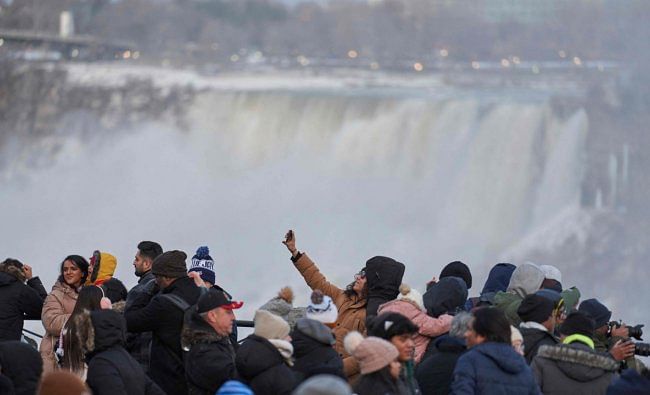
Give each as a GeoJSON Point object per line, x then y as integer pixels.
{"type": "Point", "coordinates": [614, 339]}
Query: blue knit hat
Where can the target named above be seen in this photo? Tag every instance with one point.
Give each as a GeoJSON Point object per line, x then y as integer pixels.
{"type": "Point", "coordinates": [234, 387]}
{"type": "Point", "coordinates": [596, 310]}
{"type": "Point", "coordinates": [202, 262]}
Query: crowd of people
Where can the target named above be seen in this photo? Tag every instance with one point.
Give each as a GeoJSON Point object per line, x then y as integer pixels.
{"type": "Point", "coordinates": [175, 332]}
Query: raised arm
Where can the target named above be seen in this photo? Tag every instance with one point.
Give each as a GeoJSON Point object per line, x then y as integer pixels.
{"type": "Point", "coordinates": [308, 269]}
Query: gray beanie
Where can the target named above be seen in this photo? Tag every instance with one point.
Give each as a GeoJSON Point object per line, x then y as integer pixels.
{"type": "Point", "coordinates": [323, 384]}
{"type": "Point", "coordinates": [170, 264]}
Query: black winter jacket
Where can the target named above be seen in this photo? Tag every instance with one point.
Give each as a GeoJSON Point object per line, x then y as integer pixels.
{"type": "Point", "coordinates": [533, 340]}
{"type": "Point", "coordinates": [314, 357]}
{"type": "Point", "coordinates": [435, 374]}
{"type": "Point", "coordinates": [139, 344]}
{"type": "Point", "coordinates": [379, 383]}
{"type": "Point", "coordinates": [262, 367]}
{"type": "Point", "coordinates": [111, 370]}
{"type": "Point", "coordinates": [210, 360]}
{"type": "Point", "coordinates": [164, 319]}
{"type": "Point", "coordinates": [384, 277]}
{"type": "Point", "coordinates": [22, 365]}
{"type": "Point", "coordinates": [19, 301]}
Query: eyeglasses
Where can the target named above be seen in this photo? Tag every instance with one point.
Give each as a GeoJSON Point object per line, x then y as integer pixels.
{"type": "Point", "coordinates": [361, 274]}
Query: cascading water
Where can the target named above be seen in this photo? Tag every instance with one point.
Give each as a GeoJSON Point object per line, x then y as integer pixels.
{"type": "Point", "coordinates": [425, 179]}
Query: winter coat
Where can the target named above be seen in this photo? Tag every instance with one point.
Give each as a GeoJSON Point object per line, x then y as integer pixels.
{"type": "Point", "coordinates": [509, 303]}
{"type": "Point", "coordinates": [57, 308]}
{"type": "Point", "coordinates": [493, 368]}
{"type": "Point", "coordinates": [573, 369]}
{"type": "Point", "coordinates": [384, 276]}
{"type": "Point", "coordinates": [435, 374]}
{"type": "Point", "coordinates": [630, 383]}
{"type": "Point", "coordinates": [138, 344]}
{"type": "Point", "coordinates": [165, 320]}
{"type": "Point", "coordinates": [379, 383]}
{"type": "Point", "coordinates": [525, 280]}
{"type": "Point", "coordinates": [263, 368]}
{"type": "Point", "coordinates": [313, 351]}
{"type": "Point", "coordinates": [210, 358]}
{"type": "Point", "coordinates": [22, 365]}
{"type": "Point", "coordinates": [428, 326]}
{"type": "Point", "coordinates": [352, 310]}
{"type": "Point", "coordinates": [111, 370]}
{"type": "Point", "coordinates": [533, 340]}
{"type": "Point", "coordinates": [19, 301]}
{"type": "Point", "coordinates": [497, 281]}
{"type": "Point", "coordinates": [446, 296]}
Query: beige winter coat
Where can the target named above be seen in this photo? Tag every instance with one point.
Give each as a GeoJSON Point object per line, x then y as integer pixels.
{"type": "Point", "coordinates": [352, 310]}
{"type": "Point", "coordinates": [56, 310]}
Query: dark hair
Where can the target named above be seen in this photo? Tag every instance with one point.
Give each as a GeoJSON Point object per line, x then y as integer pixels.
{"type": "Point", "coordinates": [12, 262]}
{"type": "Point", "coordinates": [149, 249]}
{"type": "Point", "coordinates": [73, 356]}
{"type": "Point", "coordinates": [79, 262]}
{"type": "Point", "coordinates": [492, 324]}
{"type": "Point", "coordinates": [399, 325]}
{"type": "Point", "coordinates": [350, 292]}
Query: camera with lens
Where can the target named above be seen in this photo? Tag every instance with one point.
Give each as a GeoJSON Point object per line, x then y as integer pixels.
{"type": "Point", "coordinates": [642, 349]}
{"type": "Point", "coordinates": [633, 331]}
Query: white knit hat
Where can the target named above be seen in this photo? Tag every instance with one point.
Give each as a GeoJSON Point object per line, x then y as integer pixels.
{"type": "Point", "coordinates": [408, 293]}
{"type": "Point", "coordinates": [270, 326]}
{"type": "Point", "coordinates": [322, 308]}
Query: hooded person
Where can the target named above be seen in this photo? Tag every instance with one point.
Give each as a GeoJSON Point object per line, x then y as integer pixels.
{"type": "Point", "coordinates": [282, 305]}
{"type": "Point", "coordinates": [378, 365]}
{"type": "Point", "coordinates": [574, 367]}
{"type": "Point", "coordinates": [457, 269]}
{"type": "Point", "coordinates": [384, 276]}
{"type": "Point", "coordinates": [491, 365]}
{"type": "Point", "coordinates": [497, 281]}
{"type": "Point", "coordinates": [313, 350]}
{"type": "Point", "coordinates": [22, 298]}
{"type": "Point", "coordinates": [111, 369]}
{"type": "Point", "coordinates": [537, 314]}
{"type": "Point", "coordinates": [410, 304]}
{"type": "Point", "coordinates": [163, 316]}
{"type": "Point", "coordinates": [552, 278]}
{"type": "Point", "coordinates": [22, 365]}
{"type": "Point", "coordinates": [101, 269]}
{"type": "Point", "coordinates": [210, 354]}
{"type": "Point", "coordinates": [434, 375]}
{"type": "Point", "coordinates": [526, 279]}
{"type": "Point", "coordinates": [350, 301]}
{"type": "Point", "coordinates": [59, 304]}
{"type": "Point", "coordinates": [263, 360]}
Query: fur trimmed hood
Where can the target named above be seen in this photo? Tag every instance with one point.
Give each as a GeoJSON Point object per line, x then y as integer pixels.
{"type": "Point", "coordinates": [579, 362]}
{"type": "Point", "coordinates": [14, 271]}
{"type": "Point", "coordinates": [99, 330]}
{"type": "Point", "coordinates": [196, 330]}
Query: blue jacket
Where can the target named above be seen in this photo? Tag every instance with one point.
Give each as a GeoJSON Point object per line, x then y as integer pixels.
{"type": "Point", "coordinates": [493, 368]}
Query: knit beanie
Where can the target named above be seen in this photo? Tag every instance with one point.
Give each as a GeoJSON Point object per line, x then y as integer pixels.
{"type": "Point", "coordinates": [578, 323]}
{"type": "Point", "coordinates": [323, 384]}
{"type": "Point", "coordinates": [282, 305]}
{"type": "Point", "coordinates": [458, 269]}
{"type": "Point", "coordinates": [170, 264]}
{"type": "Point", "coordinates": [372, 353]}
{"type": "Point", "coordinates": [62, 382]}
{"type": "Point", "coordinates": [234, 387]}
{"type": "Point", "coordinates": [535, 308]}
{"type": "Point", "coordinates": [270, 326]}
{"type": "Point", "coordinates": [202, 262]}
{"type": "Point", "coordinates": [597, 311]}
{"type": "Point", "coordinates": [322, 308]}
{"type": "Point", "coordinates": [408, 293]}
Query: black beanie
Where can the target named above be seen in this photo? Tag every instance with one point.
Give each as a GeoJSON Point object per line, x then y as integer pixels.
{"type": "Point", "coordinates": [387, 325]}
{"type": "Point", "coordinates": [535, 308]}
{"type": "Point", "coordinates": [578, 323]}
{"type": "Point", "coordinates": [597, 311]}
{"type": "Point", "coordinates": [170, 264]}
{"type": "Point", "coordinates": [458, 269]}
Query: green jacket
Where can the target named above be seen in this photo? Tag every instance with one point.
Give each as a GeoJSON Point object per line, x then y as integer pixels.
{"type": "Point", "coordinates": [509, 303]}
{"type": "Point", "coordinates": [603, 344]}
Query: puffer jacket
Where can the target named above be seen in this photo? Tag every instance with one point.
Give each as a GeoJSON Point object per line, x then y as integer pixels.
{"type": "Point", "coordinates": [111, 370]}
{"type": "Point", "coordinates": [493, 368]}
{"type": "Point", "coordinates": [57, 308]}
{"type": "Point", "coordinates": [428, 326]}
{"type": "Point", "coordinates": [352, 310]}
{"type": "Point", "coordinates": [263, 368]}
{"type": "Point", "coordinates": [19, 301]}
{"type": "Point", "coordinates": [533, 340]}
{"type": "Point", "coordinates": [313, 352]}
{"type": "Point", "coordinates": [210, 358]}
{"type": "Point", "coordinates": [573, 369]}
